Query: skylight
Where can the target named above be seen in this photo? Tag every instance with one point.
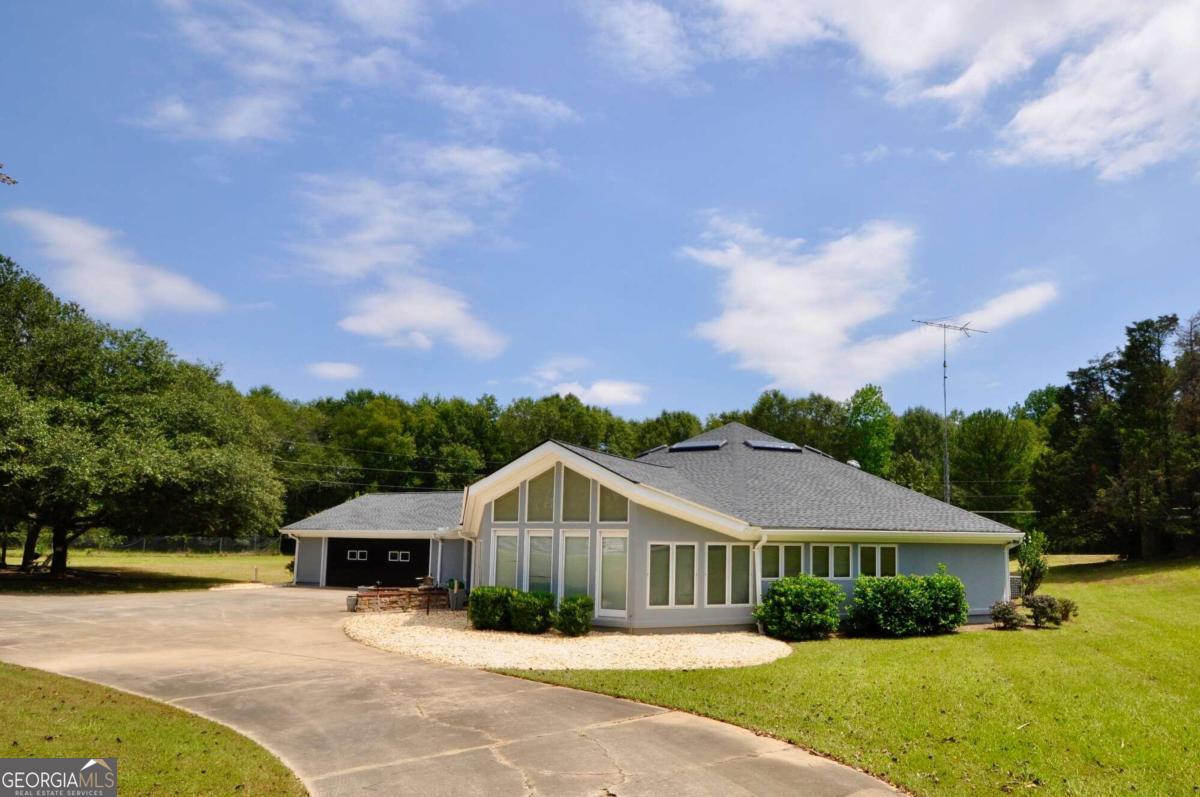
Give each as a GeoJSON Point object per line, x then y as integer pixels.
{"type": "Point", "coordinates": [772, 445]}
{"type": "Point", "coordinates": [698, 445]}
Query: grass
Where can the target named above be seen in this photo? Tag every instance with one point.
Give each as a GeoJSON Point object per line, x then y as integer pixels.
{"type": "Point", "coordinates": [160, 750]}
{"type": "Point", "coordinates": [1106, 704]}
{"type": "Point", "coordinates": [130, 571]}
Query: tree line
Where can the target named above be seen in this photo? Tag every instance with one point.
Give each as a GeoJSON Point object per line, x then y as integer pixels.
{"type": "Point", "coordinates": [106, 428]}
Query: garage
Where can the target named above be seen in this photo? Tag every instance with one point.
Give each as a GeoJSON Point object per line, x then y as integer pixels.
{"type": "Point", "coordinates": [386, 539]}
{"type": "Point", "coordinates": [353, 562]}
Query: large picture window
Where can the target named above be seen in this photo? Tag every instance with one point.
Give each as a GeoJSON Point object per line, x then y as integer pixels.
{"type": "Point", "coordinates": [539, 555]}
{"type": "Point", "coordinates": [539, 500]}
{"type": "Point", "coordinates": [831, 561]}
{"type": "Point", "coordinates": [504, 564]}
{"type": "Point", "coordinates": [577, 497]}
{"type": "Point", "coordinates": [727, 576]}
{"type": "Point", "coordinates": [574, 566]}
{"type": "Point", "coordinates": [672, 574]}
{"type": "Point", "coordinates": [877, 560]}
{"type": "Point", "coordinates": [504, 508]}
{"type": "Point", "coordinates": [614, 507]}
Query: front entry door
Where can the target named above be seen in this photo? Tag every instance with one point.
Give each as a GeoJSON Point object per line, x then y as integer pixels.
{"type": "Point", "coordinates": [613, 577]}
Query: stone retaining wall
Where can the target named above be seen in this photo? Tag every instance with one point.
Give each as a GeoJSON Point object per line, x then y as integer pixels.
{"type": "Point", "coordinates": [405, 599]}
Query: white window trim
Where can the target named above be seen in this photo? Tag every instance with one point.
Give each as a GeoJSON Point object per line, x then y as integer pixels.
{"type": "Point", "coordinates": [493, 508]}
{"type": "Point", "coordinates": [671, 604]}
{"type": "Point", "coordinates": [530, 534]}
{"type": "Point", "coordinates": [600, 522]}
{"type": "Point", "coordinates": [496, 535]}
{"type": "Point", "coordinates": [781, 546]}
{"type": "Point", "coordinates": [601, 534]}
{"type": "Point", "coordinates": [729, 546]}
{"type": "Point", "coordinates": [359, 555]}
{"type": "Point", "coordinates": [878, 557]}
{"type": "Point", "coordinates": [831, 546]}
{"type": "Point", "coordinates": [553, 471]}
{"type": "Point", "coordinates": [562, 557]}
{"type": "Point", "coordinates": [562, 498]}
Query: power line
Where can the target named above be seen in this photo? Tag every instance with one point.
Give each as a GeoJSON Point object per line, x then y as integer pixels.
{"type": "Point", "coordinates": [965, 329]}
{"type": "Point", "coordinates": [391, 488]}
{"type": "Point", "coordinates": [385, 453]}
{"type": "Point", "coordinates": [383, 470]}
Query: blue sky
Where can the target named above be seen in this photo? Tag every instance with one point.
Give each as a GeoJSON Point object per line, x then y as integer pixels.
{"type": "Point", "coordinates": [652, 205]}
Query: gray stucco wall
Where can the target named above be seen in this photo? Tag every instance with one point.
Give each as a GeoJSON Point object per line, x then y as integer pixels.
{"type": "Point", "coordinates": [308, 560]}
{"type": "Point", "coordinates": [983, 568]}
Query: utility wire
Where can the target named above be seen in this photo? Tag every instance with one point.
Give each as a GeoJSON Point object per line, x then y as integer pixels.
{"type": "Point", "coordinates": [392, 488]}
{"type": "Point", "coordinates": [385, 453]}
{"type": "Point", "coordinates": [383, 470]}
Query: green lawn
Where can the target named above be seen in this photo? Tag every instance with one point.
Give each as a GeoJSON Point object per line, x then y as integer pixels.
{"type": "Point", "coordinates": [128, 571]}
{"type": "Point", "coordinates": [159, 749]}
{"type": "Point", "coordinates": [1108, 704]}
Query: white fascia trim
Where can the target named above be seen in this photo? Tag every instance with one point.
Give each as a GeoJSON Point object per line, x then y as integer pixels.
{"type": "Point", "coordinates": [376, 534]}
{"type": "Point", "coordinates": [544, 456]}
{"type": "Point", "coordinates": [883, 535]}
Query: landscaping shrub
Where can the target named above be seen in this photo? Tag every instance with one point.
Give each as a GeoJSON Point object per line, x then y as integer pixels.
{"type": "Point", "coordinates": [574, 615]}
{"type": "Point", "coordinates": [900, 606]}
{"type": "Point", "coordinates": [1007, 615]}
{"type": "Point", "coordinates": [487, 608]}
{"type": "Point", "coordinates": [530, 612]}
{"type": "Point", "coordinates": [1044, 609]}
{"type": "Point", "coordinates": [800, 607]}
{"type": "Point", "coordinates": [947, 602]}
{"type": "Point", "coordinates": [1067, 609]}
{"type": "Point", "coordinates": [1031, 562]}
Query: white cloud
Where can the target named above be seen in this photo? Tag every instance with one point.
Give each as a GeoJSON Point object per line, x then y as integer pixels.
{"type": "Point", "coordinates": [881, 152]}
{"type": "Point", "coordinates": [276, 59]}
{"type": "Point", "coordinates": [110, 281]}
{"type": "Point", "coordinates": [555, 368]}
{"type": "Point", "coordinates": [643, 39]}
{"type": "Point", "coordinates": [360, 225]}
{"type": "Point", "coordinates": [1124, 92]}
{"type": "Point", "coordinates": [413, 312]}
{"type": "Point", "coordinates": [334, 371]}
{"type": "Point", "coordinates": [606, 392]}
{"type": "Point", "coordinates": [795, 314]}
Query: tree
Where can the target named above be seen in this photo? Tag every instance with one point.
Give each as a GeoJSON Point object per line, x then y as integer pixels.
{"type": "Point", "coordinates": [993, 456]}
{"type": "Point", "coordinates": [1031, 561]}
{"type": "Point", "coordinates": [101, 427]}
{"type": "Point", "coordinates": [917, 451]}
{"type": "Point", "coordinates": [870, 430]}
{"type": "Point", "coordinates": [666, 429]}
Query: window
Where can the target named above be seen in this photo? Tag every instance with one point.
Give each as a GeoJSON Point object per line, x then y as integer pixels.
{"type": "Point", "coordinates": [781, 561]}
{"type": "Point", "coordinates": [356, 556]}
{"type": "Point", "coordinates": [728, 575]}
{"type": "Point", "coordinates": [613, 578]}
{"type": "Point", "coordinates": [504, 509]}
{"type": "Point", "coordinates": [614, 507]}
{"type": "Point", "coordinates": [539, 498]}
{"type": "Point", "coordinates": [574, 564]}
{"type": "Point", "coordinates": [576, 497]}
{"type": "Point", "coordinates": [672, 574]}
{"type": "Point", "coordinates": [877, 560]}
{"type": "Point", "coordinates": [831, 561]}
{"type": "Point", "coordinates": [504, 563]}
{"type": "Point", "coordinates": [537, 563]}
{"type": "Point", "coordinates": [399, 556]}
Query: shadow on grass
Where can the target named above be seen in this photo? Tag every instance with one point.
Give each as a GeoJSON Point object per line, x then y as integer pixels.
{"type": "Point", "coordinates": [1092, 572]}
{"type": "Point", "coordinates": [82, 581]}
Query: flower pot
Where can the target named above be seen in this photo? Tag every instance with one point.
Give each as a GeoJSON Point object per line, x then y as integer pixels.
{"type": "Point", "coordinates": [351, 603]}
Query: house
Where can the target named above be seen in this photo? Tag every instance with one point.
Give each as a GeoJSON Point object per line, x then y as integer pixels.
{"type": "Point", "coordinates": [687, 535]}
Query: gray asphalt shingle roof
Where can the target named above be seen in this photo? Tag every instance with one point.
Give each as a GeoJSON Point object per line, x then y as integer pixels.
{"type": "Point", "coordinates": [427, 511]}
{"type": "Point", "coordinates": [796, 489]}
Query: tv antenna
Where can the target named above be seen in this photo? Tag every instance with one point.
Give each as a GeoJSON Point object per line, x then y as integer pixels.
{"type": "Point", "coordinates": [947, 327]}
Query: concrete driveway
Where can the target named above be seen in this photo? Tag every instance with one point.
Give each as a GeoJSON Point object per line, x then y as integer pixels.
{"type": "Point", "coordinates": [348, 719]}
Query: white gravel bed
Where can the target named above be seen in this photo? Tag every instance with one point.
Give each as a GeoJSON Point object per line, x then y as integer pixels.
{"type": "Point", "coordinates": [448, 638]}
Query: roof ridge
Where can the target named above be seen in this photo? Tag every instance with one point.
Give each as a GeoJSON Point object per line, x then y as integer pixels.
{"type": "Point", "coordinates": [614, 456]}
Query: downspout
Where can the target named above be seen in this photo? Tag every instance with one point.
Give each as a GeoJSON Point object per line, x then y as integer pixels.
{"type": "Point", "coordinates": [757, 551]}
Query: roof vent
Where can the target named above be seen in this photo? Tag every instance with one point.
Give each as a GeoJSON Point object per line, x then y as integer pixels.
{"type": "Point", "coordinates": [772, 445]}
{"type": "Point", "coordinates": [698, 445]}
{"type": "Point", "coordinates": [816, 451]}
{"type": "Point", "coordinates": [651, 450]}
{"type": "Point", "coordinates": [853, 463]}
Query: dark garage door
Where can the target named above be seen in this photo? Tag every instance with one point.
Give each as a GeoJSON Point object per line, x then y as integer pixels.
{"type": "Point", "coordinates": [392, 563]}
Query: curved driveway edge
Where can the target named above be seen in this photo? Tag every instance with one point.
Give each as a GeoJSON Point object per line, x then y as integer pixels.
{"type": "Point", "coordinates": [351, 720]}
